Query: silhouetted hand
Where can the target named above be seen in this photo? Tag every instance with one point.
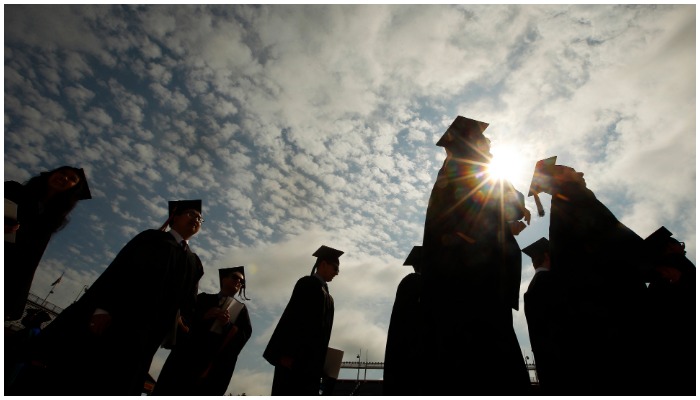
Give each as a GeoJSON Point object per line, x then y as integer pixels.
{"type": "Point", "coordinates": [99, 323]}
{"type": "Point", "coordinates": [222, 315]}
{"type": "Point", "coordinates": [516, 227]}
{"type": "Point", "coordinates": [212, 313]}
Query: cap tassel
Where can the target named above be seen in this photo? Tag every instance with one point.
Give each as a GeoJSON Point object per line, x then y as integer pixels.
{"type": "Point", "coordinates": [315, 267]}
{"type": "Point", "coordinates": [170, 219]}
{"type": "Point", "coordinates": [167, 223]}
{"type": "Point", "coordinates": [538, 203]}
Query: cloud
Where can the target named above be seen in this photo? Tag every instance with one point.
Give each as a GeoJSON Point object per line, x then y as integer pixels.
{"type": "Point", "coordinates": [96, 119]}
{"type": "Point", "coordinates": [172, 99]}
{"type": "Point", "coordinates": [60, 27]}
{"type": "Point", "coordinates": [79, 96]}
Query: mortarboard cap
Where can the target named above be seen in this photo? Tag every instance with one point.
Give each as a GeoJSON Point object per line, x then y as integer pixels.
{"type": "Point", "coordinates": [415, 257]}
{"type": "Point", "coordinates": [85, 190]}
{"type": "Point", "coordinates": [538, 248]}
{"type": "Point", "coordinates": [661, 235]}
{"type": "Point", "coordinates": [657, 241]}
{"type": "Point", "coordinates": [183, 205]}
{"type": "Point", "coordinates": [224, 272]}
{"type": "Point", "coordinates": [542, 177]}
{"type": "Point", "coordinates": [461, 130]}
{"type": "Point", "coordinates": [542, 180]}
{"type": "Point", "coordinates": [328, 253]}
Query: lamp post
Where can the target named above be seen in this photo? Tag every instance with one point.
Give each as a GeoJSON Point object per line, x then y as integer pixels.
{"type": "Point", "coordinates": [366, 361]}
{"type": "Point", "coordinates": [527, 366]}
{"type": "Point", "coordinates": [43, 304]}
{"type": "Point", "coordinates": [358, 366]}
{"type": "Point", "coordinates": [84, 289]}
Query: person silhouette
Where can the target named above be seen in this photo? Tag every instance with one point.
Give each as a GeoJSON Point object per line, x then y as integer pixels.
{"type": "Point", "coordinates": [543, 312]}
{"type": "Point", "coordinates": [401, 372]}
{"type": "Point", "coordinates": [299, 343]}
{"type": "Point", "coordinates": [600, 265]}
{"type": "Point", "coordinates": [202, 363]}
{"type": "Point", "coordinates": [670, 317]}
{"type": "Point", "coordinates": [471, 273]}
{"type": "Point", "coordinates": [104, 343]}
{"type": "Point", "coordinates": [42, 206]}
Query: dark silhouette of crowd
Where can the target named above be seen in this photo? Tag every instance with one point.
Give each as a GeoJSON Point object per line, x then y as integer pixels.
{"type": "Point", "coordinates": [608, 313]}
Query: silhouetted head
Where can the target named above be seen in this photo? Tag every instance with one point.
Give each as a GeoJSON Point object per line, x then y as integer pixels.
{"type": "Point", "coordinates": [465, 139]}
{"type": "Point", "coordinates": [538, 252]}
{"type": "Point", "coordinates": [185, 217]}
{"type": "Point", "coordinates": [415, 258]}
{"type": "Point", "coordinates": [232, 281]}
{"type": "Point", "coordinates": [327, 264]}
{"type": "Point", "coordinates": [667, 256]}
{"type": "Point", "coordinates": [59, 190]}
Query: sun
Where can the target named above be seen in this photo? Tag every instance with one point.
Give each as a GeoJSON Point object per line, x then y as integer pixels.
{"type": "Point", "coordinates": [505, 163]}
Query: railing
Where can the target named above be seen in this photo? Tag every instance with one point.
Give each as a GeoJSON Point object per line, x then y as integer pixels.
{"type": "Point", "coordinates": [34, 301]}
{"type": "Point", "coordinates": [362, 365]}
{"type": "Point", "coordinates": [37, 302]}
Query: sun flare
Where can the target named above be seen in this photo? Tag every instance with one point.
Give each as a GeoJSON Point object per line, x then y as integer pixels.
{"type": "Point", "coordinates": [505, 163]}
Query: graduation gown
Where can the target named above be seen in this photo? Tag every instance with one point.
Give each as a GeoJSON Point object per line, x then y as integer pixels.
{"type": "Point", "coordinates": [22, 257]}
{"type": "Point", "coordinates": [150, 279]}
{"type": "Point", "coordinates": [544, 313]}
{"type": "Point", "coordinates": [671, 339]}
{"type": "Point", "coordinates": [202, 350]}
{"type": "Point", "coordinates": [302, 334]}
{"type": "Point", "coordinates": [401, 377]}
{"type": "Point", "coordinates": [599, 263]}
{"type": "Point", "coordinates": [471, 282]}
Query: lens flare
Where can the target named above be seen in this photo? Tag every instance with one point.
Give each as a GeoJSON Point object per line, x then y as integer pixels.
{"type": "Point", "coordinates": [504, 164]}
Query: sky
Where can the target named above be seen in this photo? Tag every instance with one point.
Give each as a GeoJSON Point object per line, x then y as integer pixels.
{"type": "Point", "coordinates": [299, 126]}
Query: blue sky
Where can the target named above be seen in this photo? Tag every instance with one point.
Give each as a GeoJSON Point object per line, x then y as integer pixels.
{"type": "Point", "coordinates": [306, 125]}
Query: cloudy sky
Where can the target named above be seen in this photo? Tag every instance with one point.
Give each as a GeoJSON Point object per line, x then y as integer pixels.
{"type": "Point", "coordinates": [306, 125]}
